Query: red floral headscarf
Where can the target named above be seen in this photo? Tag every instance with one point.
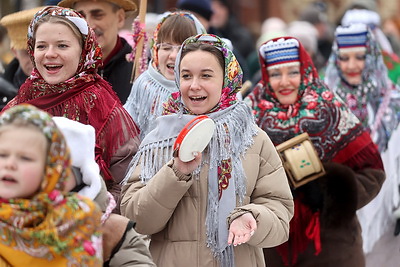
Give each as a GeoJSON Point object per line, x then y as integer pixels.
{"type": "Point", "coordinates": [90, 60]}
{"type": "Point", "coordinates": [317, 111]}
{"type": "Point", "coordinates": [85, 97]}
{"type": "Point", "coordinates": [335, 132]}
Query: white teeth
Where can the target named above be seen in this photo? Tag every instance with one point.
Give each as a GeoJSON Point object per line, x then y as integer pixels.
{"type": "Point", "coordinates": [52, 66]}
{"type": "Point", "coordinates": [197, 97]}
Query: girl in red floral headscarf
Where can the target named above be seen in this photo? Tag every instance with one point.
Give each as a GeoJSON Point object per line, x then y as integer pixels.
{"type": "Point", "coordinates": [64, 82]}
{"type": "Point", "coordinates": [289, 100]}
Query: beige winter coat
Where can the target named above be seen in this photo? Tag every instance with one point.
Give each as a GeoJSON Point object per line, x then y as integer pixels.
{"type": "Point", "coordinates": [173, 212]}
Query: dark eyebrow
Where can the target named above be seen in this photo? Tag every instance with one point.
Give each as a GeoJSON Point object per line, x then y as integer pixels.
{"type": "Point", "coordinates": [93, 12]}
{"type": "Point", "coordinates": [96, 11]}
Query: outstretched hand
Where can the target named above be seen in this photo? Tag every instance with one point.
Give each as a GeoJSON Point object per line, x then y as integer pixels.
{"type": "Point", "coordinates": [242, 229]}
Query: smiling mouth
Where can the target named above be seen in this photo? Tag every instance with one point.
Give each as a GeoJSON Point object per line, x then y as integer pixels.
{"type": "Point", "coordinates": [286, 91]}
{"type": "Point", "coordinates": [171, 66]}
{"type": "Point", "coordinates": [353, 74]}
{"type": "Point", "coordinates": [53, 67]}
{"type": "Point", "coordinates": [198, 98]}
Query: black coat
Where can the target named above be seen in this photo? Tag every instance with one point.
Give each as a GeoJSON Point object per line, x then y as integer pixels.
{"type": "Point", "coordinates": [118, 72]}
{"type": "Point", "coordinates": [337, 195]}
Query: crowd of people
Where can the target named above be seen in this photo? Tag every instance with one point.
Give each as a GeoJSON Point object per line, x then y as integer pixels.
{"type": "Point", "coordinates": [90, 174]}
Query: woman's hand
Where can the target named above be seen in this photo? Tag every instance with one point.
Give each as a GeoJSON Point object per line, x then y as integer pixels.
{"type": "Point", "coordinates": [188, 167]}
{"type": "Point", "coordinates": [242, 229]}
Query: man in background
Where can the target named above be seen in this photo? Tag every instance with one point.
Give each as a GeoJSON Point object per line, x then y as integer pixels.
{"type": "Point", "coordinates": [106, 18]}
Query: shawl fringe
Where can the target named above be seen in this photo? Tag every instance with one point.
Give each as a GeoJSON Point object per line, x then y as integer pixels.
{"type": "Point", "coordinates": [145, 102]}
{"type": "Point", "coordinates": [235, 129]}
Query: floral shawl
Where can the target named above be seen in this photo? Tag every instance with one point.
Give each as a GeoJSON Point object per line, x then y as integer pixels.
{"type": "Point", "coordinates": [85, 97]}
{"type": "Point", "coordinates": [52, 228]}
{"type": "Point", "coordinates": [151, 88]}
{"type": "Point", "coordinates": [336, 133]}
{"type": "Point", "coordinates": [235, 129]}
{"type": "Point", "coordinates": [318, 111]}
{"type": "Point", "coordinates": [376, 101]}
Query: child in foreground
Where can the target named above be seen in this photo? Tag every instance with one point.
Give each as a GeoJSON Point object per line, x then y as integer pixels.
{"type": "Point", "coordinates": [39, 223]}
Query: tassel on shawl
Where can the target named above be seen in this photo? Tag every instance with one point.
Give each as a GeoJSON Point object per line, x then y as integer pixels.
{"type": "Point", "coordinates": [148, 93]}
{"type": "Point", "coordinates": [235, 129]}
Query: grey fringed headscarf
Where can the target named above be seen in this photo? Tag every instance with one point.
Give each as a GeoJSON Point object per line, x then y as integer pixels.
{"type": "Point", "coordinates": [235, 129]}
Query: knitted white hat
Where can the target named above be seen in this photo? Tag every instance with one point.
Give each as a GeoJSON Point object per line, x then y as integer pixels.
{"type": "Point", "coordinates": [352, 37]}
{"type": "Point", "coordinates": [280, 53]}
{"type": "Point", "coordinates": [81, 140]}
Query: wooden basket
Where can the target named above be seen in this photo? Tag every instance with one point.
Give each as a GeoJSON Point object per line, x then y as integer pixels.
{"type": "Point", "coordinates": [300, 160]}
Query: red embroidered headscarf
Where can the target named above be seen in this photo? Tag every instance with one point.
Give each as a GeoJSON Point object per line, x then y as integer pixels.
{"type": "Point", "coordinates": [317, 111]}
{"type": "Point", "coordinates": [85, 97]}
{"type": "Point", "coordinates": [336, 133]}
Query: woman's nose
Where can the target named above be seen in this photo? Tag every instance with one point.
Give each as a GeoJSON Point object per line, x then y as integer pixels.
{"type": "Point", "coordinates": [51, 52]}
{"type": "Point", "coordinates": [195, 85]}
{"type": "Point", "coordinates": [174, 51]}
{"type": "Point", "coordinates": [284, 80]}
{"type": "Point", "coordinates": [352, 63]}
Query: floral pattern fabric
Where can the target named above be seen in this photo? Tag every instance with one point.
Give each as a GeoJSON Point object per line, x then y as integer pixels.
{"type": "Point", "coordinates": [53, 227]}
{"type": "Point", "coordinates": [376, 101]}
{"type": "Point", "coordinates": [234, 134]}
{"type": "Point", "coordinates": [85, 97]}
{"type": "Point", "coordinates": [317, 111]}
{"type": "Point", "coordinates": [334, 130]}
{"type": "Point", "coordinates": [232, 79]}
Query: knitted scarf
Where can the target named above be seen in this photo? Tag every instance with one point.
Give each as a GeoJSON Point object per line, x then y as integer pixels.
{"type": "Point", "coordinates": [85, 97]}
{"type": "Point", "coordinates": [52, 228]}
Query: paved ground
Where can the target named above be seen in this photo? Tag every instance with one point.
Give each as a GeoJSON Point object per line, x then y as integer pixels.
{"type": "Point", "coordinates": [386, 252]}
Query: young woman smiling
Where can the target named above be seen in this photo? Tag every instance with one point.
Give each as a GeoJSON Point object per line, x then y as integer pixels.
{"type": "Point", "coordinates": [64, 82]}
{"type": "Point", "coordinates": [357, 73]}
{"type": "Point", "coordinates": [222, 207]}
